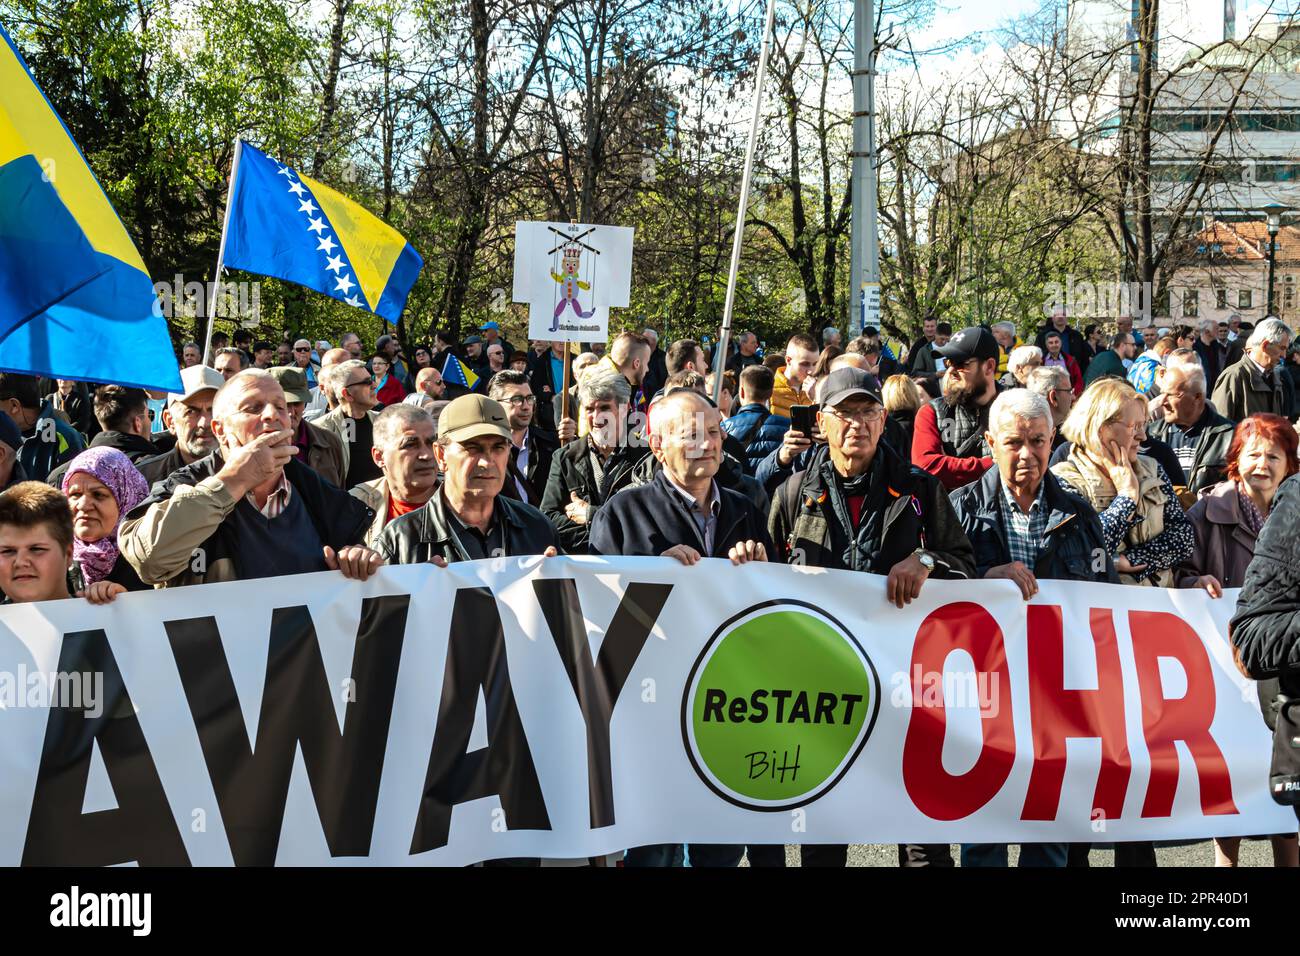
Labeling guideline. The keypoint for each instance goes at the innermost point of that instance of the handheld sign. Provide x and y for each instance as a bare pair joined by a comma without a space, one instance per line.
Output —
571,275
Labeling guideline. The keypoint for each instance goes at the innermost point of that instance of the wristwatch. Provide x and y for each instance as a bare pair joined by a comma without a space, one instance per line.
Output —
925,557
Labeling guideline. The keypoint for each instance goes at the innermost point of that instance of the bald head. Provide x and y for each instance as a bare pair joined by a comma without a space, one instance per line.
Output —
250,404
334,356
686,437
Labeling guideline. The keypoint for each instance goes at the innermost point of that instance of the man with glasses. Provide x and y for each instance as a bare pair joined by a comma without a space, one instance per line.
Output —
1053,383
1256,383
353,388
948,432
863,507
530,447
302,359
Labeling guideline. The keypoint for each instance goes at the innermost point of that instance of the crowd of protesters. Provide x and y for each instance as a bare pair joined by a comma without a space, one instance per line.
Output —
1161,458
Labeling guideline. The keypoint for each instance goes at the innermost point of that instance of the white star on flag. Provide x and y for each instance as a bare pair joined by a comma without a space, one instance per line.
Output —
326,244
343,284
335,264
284,171
316,225
297,188
307,206
353,301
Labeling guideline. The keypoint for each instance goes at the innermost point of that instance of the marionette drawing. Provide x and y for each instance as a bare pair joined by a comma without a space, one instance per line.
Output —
568,258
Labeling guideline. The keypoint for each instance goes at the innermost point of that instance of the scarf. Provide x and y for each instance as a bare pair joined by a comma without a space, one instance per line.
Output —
1251,519
129,488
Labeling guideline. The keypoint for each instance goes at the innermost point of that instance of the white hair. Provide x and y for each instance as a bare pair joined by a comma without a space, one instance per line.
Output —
334,377
395,419
1008,327
1018,403
1042,381
1193,376
235,386
1271,331
1024,355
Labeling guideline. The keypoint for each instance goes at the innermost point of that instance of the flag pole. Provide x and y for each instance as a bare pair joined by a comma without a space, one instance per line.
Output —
221,252
724,338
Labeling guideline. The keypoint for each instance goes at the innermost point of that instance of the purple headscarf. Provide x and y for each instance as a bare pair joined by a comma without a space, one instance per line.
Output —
129,488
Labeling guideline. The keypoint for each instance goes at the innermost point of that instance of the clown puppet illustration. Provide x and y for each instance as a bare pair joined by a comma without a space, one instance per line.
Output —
569,276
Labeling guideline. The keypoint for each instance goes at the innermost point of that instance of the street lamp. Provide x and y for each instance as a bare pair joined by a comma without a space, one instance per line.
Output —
1273,213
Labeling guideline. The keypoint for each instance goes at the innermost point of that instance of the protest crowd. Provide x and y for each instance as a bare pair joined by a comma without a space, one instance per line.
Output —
1148,458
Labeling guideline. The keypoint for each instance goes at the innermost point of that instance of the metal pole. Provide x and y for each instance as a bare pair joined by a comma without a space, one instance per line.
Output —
1272,252
724,338
864,260
221,253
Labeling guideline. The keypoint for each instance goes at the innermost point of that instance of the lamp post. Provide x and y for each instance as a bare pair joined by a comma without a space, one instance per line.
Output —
1273,213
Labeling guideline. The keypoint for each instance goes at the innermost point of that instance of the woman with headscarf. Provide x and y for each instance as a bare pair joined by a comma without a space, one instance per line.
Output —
102,486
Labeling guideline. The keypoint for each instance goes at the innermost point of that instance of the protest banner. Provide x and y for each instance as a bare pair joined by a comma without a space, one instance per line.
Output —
569,707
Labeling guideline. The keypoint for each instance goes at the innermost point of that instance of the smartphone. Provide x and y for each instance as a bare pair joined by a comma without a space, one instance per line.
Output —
803,418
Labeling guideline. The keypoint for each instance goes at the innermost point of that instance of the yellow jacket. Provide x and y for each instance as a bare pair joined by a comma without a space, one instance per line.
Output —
784,395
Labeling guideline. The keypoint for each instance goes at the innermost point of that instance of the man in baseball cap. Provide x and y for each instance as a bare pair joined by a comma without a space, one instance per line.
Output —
318,448
948,432
863,507
492,334
468,519
188,416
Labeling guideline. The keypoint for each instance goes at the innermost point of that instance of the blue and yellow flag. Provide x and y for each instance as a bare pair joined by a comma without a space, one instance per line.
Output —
76,300
456,372
290,227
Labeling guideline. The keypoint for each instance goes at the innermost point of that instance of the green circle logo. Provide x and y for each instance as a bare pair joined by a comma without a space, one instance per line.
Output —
778,706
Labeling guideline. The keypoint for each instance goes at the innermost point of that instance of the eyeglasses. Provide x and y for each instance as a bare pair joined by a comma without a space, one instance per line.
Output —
517,400
303,348
367,381
863,416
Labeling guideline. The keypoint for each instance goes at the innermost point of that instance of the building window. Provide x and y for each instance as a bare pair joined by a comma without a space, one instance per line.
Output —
1244,299
1220,298
1191,303
1161,305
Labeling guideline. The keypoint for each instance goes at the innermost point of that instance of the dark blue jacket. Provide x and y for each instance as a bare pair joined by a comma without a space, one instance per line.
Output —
1076,548
761,432
650,519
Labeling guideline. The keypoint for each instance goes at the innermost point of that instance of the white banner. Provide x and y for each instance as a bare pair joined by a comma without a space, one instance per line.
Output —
569,707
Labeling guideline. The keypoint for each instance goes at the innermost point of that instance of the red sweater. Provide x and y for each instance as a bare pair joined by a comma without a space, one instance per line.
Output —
392,393
929,456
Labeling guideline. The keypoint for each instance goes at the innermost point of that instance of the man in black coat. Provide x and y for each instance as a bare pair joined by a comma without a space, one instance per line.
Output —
656,366
123,416
1198,435
531,448
684,514
1072,342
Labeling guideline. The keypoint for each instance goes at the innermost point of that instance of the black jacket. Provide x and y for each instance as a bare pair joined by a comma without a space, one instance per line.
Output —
542,446
810,522
730,475
416,537
1210,460
1076,548
133,446
157,467
1265,629
571,472
650,519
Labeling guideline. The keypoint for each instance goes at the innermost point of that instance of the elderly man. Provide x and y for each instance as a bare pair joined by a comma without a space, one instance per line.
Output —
491,331
1257,382
1114,361
496,359
188,416
284,354
123,416
229,362
1023,527
948,432
248,510
1198,435
468,518
190,355
746,353
684,514
800,360
302,360
831,337
531,449
1053,383
585,473
1005,333
405,438
318,448
1022,362
351,343
352,387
